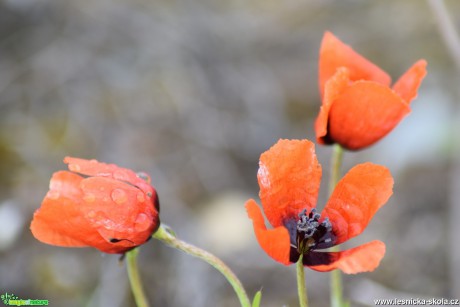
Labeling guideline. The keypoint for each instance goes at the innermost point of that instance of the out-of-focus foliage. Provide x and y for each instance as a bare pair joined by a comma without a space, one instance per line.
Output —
192,92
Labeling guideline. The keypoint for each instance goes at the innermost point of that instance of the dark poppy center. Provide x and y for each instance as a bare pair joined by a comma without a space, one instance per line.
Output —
311,233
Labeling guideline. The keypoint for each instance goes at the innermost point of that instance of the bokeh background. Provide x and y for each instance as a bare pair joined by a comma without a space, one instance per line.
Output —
193,92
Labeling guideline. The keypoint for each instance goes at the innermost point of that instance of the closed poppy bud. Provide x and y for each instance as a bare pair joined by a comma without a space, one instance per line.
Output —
97,205
358,105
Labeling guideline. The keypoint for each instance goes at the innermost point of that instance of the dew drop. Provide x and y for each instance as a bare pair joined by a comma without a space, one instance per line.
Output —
89,197
101,216
53,194
119,196
74,167
144,176
263,175
140,197
55,184
120,175
91,214
93,161
142,222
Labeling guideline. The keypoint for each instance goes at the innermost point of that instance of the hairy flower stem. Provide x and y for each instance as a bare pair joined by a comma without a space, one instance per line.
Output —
301,287
134,278
168,238
336,278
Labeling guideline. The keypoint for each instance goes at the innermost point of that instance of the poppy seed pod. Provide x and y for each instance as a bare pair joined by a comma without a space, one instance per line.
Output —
358,106
97,205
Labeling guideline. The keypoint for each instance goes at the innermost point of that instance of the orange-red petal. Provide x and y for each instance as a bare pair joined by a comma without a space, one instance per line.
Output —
289,177
59,222
356,198
409,82
118,210
364,113
58,217
96,168
65,184
333,89
364,258
334,54
275,242
44,228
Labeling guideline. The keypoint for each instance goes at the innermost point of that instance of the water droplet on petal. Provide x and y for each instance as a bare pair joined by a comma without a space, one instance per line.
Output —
120,175
144,176
142,222
55,185
93,161
91,214
140,197
89,197
264,176
74,167
53,194
99,218
119,196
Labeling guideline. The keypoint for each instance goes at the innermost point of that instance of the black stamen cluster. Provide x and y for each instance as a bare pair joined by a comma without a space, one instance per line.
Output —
312,234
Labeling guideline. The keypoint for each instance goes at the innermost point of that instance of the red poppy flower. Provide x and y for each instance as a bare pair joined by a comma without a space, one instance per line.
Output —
289,177
358,106
98,205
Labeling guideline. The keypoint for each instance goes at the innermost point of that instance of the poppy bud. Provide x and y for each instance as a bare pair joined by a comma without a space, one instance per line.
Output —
98,205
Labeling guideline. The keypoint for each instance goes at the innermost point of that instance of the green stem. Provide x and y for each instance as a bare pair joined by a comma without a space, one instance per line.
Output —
134,279
169,239
336,277
301,287
336,287
336,163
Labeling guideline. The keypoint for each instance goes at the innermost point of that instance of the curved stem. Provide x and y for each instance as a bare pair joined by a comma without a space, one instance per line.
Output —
301,287
336,277
134,279
169,239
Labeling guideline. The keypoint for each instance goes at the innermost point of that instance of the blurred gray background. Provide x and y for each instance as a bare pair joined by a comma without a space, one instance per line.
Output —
192,92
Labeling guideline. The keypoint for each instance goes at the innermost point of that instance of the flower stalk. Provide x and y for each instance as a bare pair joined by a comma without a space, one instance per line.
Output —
301,287
134,279
168,238
336,276
336,163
